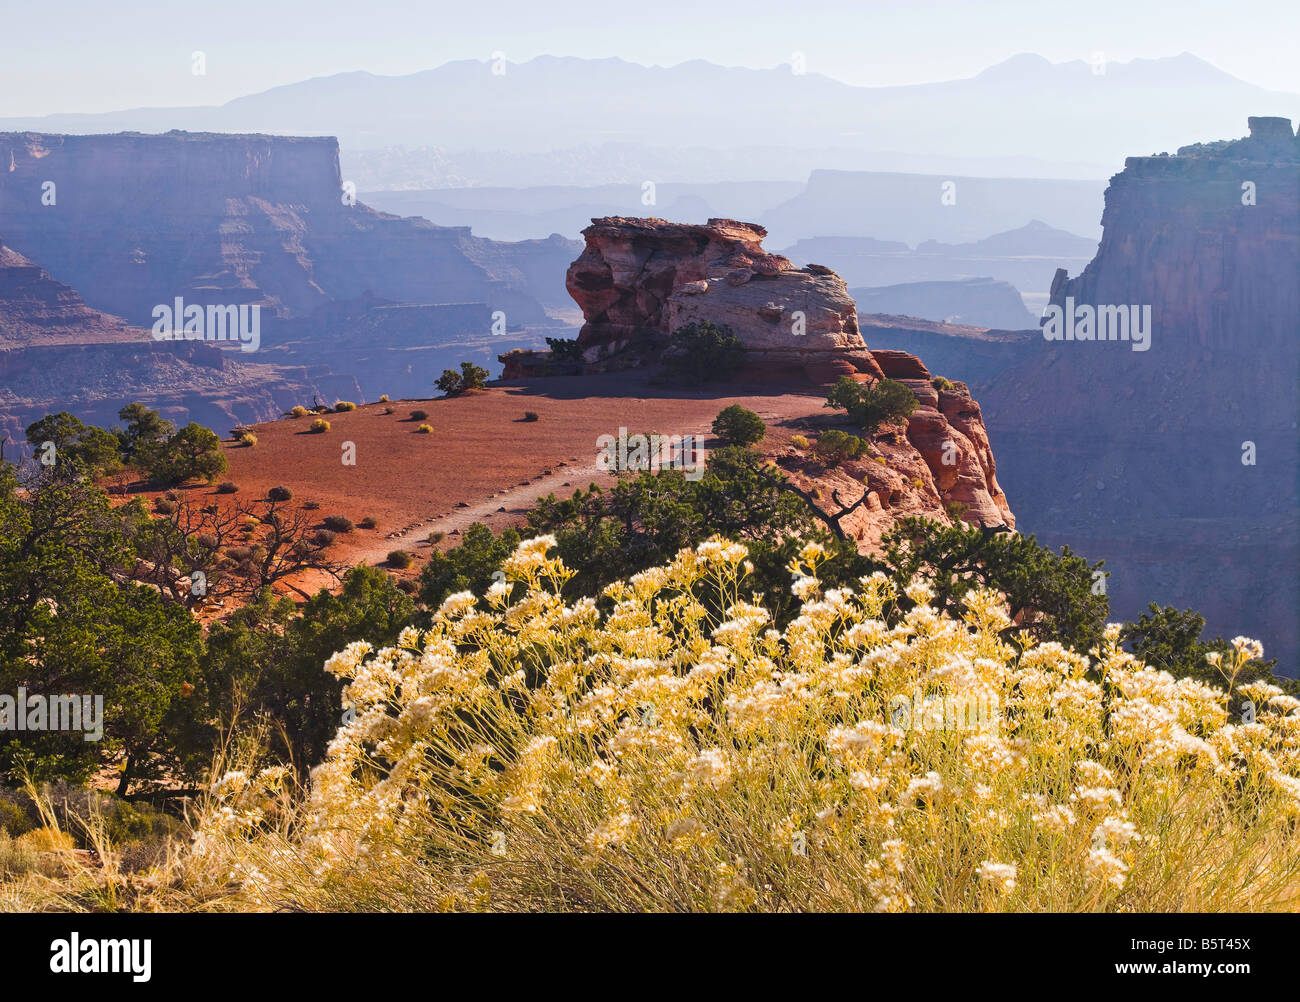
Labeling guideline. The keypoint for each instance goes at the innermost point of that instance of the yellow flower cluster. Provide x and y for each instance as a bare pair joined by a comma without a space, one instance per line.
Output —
669,748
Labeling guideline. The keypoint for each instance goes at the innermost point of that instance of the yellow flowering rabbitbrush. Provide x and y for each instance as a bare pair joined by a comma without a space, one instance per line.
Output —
670,748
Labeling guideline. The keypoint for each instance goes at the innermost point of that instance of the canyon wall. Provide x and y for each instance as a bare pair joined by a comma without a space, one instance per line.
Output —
132,221
1177,464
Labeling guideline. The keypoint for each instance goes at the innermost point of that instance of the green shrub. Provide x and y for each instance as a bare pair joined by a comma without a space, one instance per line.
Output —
369,522
939,383
871,406
337,523
800,442
436,537
835,446
701,353
400,559
736,425
470,377
191,453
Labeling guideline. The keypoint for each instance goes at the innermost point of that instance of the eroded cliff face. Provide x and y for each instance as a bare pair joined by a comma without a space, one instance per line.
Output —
638,280
133,221
1178,464
57,353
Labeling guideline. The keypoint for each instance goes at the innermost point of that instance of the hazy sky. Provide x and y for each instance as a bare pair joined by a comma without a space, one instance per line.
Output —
92,55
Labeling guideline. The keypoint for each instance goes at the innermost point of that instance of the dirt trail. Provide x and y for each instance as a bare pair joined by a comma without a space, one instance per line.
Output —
515,501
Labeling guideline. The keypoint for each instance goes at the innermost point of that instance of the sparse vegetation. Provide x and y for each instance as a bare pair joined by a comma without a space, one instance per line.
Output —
470,377
800,442
702,353
279,494
227,487
871,406
343,406
737,425
419,415
834,447
369,522
424,429
298,411
247,439
320,426
337,523
530,416
400,559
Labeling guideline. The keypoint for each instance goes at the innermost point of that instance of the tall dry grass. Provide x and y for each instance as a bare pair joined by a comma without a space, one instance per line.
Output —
551,756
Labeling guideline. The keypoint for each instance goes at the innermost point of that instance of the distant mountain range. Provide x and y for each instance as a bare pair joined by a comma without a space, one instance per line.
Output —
1027,257
550,110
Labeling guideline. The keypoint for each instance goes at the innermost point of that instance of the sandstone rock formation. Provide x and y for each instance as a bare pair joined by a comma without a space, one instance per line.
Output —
638,280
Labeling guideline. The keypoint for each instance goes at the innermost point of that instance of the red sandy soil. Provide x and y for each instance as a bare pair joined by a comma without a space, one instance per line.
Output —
481,457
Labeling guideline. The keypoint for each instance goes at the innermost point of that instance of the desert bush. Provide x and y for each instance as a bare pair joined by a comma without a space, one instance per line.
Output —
436,537
419,415
871,406
17,813
470,377
834,447
279,494
800,442
383,399
400,558
320,426
530,416
702,353
337,523
227,487
369,522
424,429
311,506
247,439
386,411
343,406
865,758
956,510
737,425
165,507
323,537
298,411
940,383
408,586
